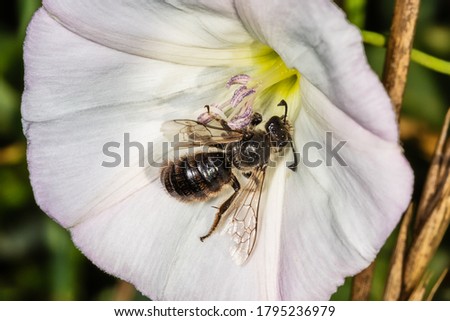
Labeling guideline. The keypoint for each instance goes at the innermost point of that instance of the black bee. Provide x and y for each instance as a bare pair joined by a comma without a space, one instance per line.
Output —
200,176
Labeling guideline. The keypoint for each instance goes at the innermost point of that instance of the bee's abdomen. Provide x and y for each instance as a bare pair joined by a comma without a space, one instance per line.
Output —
196,177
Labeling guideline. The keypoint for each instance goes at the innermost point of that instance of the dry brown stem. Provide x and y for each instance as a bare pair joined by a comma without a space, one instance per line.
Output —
437,171
124,291
393,288
419,292
435,215
362,283
436,285
399,50
394,79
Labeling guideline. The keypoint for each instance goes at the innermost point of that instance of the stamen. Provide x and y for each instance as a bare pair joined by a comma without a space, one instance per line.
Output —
240,94
243,119
240,79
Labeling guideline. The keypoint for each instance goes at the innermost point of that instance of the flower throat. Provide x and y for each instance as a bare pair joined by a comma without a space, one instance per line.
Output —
275,80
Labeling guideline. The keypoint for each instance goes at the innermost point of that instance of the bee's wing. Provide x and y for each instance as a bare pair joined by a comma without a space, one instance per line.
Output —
243,213
190,133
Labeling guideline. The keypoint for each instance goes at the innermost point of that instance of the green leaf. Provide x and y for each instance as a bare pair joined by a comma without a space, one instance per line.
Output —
356,12
26,11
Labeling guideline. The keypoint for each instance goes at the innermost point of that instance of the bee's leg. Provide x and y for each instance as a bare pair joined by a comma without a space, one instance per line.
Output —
225,205
219,146
219,119
293,166
222,122
225,126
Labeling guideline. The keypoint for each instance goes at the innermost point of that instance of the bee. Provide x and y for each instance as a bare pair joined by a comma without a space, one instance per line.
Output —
202,175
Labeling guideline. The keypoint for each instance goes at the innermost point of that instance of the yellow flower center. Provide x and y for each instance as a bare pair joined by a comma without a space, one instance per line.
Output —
259,91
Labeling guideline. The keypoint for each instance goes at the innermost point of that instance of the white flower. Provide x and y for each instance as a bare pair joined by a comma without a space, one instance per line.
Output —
98,69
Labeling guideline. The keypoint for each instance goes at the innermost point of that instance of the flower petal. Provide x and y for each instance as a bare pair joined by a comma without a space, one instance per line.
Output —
315,38
337,217
60,82
121,217
166,260
186,32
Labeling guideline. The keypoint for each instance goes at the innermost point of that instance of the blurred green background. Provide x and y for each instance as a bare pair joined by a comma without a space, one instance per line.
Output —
37,258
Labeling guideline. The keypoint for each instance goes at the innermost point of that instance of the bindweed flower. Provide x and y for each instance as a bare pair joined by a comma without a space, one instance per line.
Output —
105,75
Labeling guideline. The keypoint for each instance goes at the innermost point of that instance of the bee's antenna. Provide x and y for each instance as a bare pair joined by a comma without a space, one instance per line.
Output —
207,109
284,103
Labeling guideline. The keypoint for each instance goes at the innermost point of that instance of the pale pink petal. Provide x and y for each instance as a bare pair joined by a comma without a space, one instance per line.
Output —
337,217
67,74
185,32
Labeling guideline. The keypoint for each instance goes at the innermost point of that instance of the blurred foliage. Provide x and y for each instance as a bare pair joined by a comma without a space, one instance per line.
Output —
37,258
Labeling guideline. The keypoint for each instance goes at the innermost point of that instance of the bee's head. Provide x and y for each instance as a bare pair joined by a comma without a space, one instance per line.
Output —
278,131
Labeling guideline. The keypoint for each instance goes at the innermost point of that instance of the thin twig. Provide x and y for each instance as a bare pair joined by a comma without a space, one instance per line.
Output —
393,288
437,285
362,283
433,215
124,291
399,50
418,294
437,170
424,246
